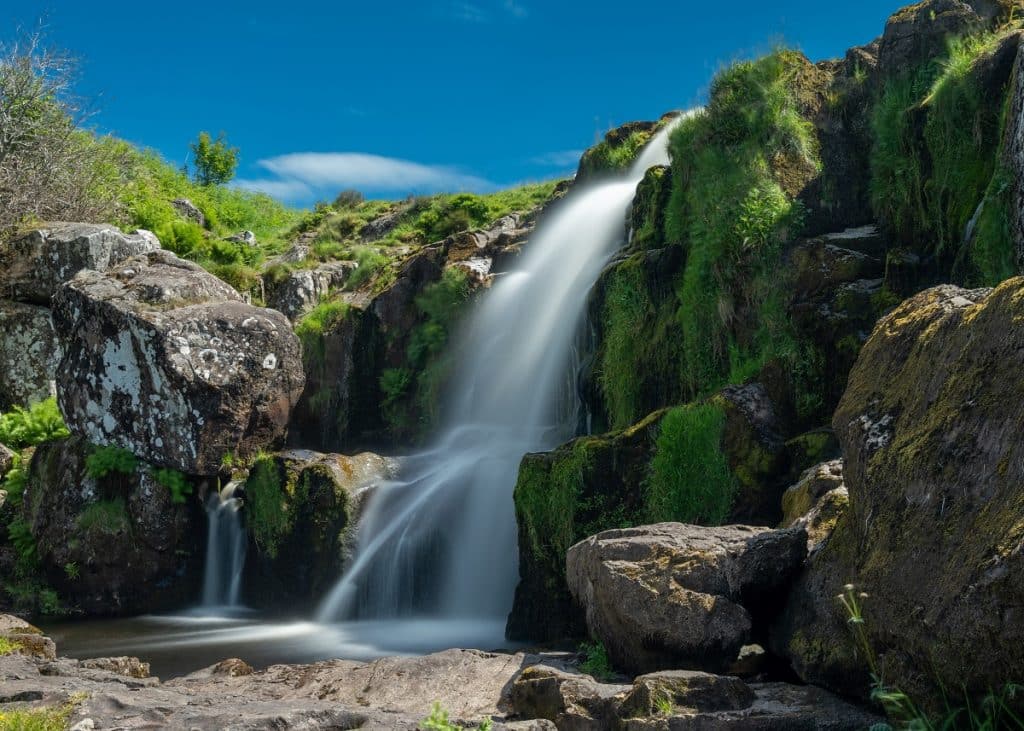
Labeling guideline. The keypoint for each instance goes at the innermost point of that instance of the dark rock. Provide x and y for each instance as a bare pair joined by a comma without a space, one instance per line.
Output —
6,461
381,226
920,32
162,358
34,265
932,533
29,354
1013,146
189,211
123,534
816,502
672,595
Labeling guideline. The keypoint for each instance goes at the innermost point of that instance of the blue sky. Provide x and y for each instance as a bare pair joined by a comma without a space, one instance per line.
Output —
402,97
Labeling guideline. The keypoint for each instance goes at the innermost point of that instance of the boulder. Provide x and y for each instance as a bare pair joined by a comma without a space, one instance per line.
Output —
32,266
7,458
933,464
163,359
301,511
303,289
1013,146
672,595
129,667
381,226
816,501
686,690
919,32
189,211
570,700
111,545
243,237
29,354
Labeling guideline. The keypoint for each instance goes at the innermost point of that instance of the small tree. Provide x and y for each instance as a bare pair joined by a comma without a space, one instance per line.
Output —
214,160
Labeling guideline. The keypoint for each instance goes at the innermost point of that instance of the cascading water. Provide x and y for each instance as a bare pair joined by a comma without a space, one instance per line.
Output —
225,549
441,543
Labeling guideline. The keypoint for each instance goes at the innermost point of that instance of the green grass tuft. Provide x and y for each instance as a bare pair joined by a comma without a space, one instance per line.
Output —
105,516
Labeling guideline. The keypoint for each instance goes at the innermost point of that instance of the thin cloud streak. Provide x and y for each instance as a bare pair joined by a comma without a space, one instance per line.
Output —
560,159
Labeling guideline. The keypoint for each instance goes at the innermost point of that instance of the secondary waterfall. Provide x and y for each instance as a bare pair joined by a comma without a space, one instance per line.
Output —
225,549
441,542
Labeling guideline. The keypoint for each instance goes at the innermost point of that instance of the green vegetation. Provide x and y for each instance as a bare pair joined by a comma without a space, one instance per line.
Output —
312,327
266,510
177,483
103,461
616,151
39,719
596,662
41,422
415,388
214,162
937,132
8,646
438,721
730,211
104,516
995,711
690,480
71,570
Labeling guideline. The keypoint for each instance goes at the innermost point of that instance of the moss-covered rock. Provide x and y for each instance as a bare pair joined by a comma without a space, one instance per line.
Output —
616,151
933,528
116,543
301,512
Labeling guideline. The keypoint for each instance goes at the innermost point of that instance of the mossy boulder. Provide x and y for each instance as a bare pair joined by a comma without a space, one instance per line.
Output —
933,529
111,544
301,511
616,151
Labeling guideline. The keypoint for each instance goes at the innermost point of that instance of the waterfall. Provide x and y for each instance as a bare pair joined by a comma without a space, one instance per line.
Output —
440,543
225,548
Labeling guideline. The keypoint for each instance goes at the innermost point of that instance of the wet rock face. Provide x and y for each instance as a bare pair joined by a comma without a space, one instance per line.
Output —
29,354
34,265
120,534
672,595
933,464
163,359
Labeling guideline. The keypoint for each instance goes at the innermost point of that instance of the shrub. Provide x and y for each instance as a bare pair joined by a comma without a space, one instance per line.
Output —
104,461
596,662
177,483
214,161
690,480
369,261
41,422
348,199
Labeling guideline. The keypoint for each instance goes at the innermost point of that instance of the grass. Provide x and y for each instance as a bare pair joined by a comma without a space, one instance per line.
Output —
41,719
105,516
312,327
624,355
690,480
610,155
438,721
730,212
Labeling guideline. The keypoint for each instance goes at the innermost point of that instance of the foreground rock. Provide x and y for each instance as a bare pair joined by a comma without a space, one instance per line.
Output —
672,595
513,691
29,354
34,265
678,700
933,532
110,545
163,359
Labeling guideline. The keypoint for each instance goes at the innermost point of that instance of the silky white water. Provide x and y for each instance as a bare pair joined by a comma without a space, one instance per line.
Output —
225,550
441,542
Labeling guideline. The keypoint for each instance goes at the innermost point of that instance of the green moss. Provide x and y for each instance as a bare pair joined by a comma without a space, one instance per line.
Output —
690,479
615,152
105,516
266,504
8,646
311,328
729,209
176,483
546,497
991,248
38,719
623,355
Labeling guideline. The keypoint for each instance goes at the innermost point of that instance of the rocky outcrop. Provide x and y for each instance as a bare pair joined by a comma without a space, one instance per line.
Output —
303,289
816,502
29,354
1013,147
932,533
189,211
301,510
163,359
920,31
7,458
673,595
34,265
114,544
677,700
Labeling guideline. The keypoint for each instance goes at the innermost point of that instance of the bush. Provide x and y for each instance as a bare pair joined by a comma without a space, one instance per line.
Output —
596,662
104,461
369,261
41,422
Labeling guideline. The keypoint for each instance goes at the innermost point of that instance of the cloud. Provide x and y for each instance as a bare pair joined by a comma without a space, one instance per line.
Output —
516,9
470,12
302,174
559,159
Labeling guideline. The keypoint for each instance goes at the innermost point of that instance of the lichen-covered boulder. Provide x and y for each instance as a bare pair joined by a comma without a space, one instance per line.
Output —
920,31
7,458
301,290
301,509
672,595
32,266
816,501
29,354
163,359
189,211
114,544
934,464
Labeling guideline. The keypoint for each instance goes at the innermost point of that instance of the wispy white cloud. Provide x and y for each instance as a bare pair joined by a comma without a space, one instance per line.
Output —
486,12
302,174
559,159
